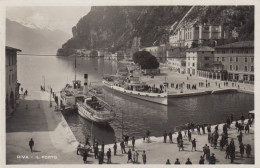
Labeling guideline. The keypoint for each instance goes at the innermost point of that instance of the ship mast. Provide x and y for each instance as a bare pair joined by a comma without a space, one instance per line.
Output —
75,67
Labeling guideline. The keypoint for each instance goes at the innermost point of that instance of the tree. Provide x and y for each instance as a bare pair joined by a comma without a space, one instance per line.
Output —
145,59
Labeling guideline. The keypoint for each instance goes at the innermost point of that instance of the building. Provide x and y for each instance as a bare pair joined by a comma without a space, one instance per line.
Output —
176,59
199,60
194,33
158,51
11,85
237,59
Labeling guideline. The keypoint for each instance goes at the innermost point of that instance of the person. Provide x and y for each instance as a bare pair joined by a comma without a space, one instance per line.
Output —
87,141
189,135
168,162
122,147
164,137
248,150
203,128
144,157
231,118
201,160
133,143
115,148
126,139
239,137
247,128
180,144
188,161
205,148
193,144
136,156
227,151
85,155
31,144
103,146
26,92
96,151
242,149
232,152
212,159
108,156
208,153
100,161
242,119
170,136
129,156
177,161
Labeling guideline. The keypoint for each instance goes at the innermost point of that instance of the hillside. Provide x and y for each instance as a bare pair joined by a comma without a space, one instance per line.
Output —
115,28
34,40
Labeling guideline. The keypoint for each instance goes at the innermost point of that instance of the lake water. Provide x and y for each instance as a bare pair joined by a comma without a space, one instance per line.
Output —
137,115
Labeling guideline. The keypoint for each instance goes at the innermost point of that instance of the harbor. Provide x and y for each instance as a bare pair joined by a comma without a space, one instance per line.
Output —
130,85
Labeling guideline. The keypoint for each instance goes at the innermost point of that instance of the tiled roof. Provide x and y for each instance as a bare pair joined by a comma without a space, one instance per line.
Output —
12,49
202,48
240,44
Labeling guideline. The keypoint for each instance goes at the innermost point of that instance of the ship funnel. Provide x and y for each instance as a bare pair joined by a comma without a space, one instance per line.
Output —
85,83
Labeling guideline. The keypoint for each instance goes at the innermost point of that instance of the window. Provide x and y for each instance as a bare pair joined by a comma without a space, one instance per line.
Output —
245,77
245,68
217,58
236,67
193,64
252,68
236,59
206,58
202,52
193,58
212,52
230,59
245,59
223,58
230,67
9,78
252,60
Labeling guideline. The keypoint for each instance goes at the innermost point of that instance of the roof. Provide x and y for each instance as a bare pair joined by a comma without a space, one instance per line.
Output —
202,48
12,49
240,44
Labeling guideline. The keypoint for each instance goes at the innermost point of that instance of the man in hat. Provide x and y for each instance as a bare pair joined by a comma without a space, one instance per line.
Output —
212,159
177,161
193,142
108,156
188,161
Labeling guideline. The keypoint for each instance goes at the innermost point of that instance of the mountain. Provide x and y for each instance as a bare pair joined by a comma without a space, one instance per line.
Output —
118,27
32,39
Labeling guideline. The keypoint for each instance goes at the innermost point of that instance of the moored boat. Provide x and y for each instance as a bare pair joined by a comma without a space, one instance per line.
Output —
132,86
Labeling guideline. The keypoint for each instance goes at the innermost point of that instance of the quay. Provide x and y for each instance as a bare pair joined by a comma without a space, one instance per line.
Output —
54,139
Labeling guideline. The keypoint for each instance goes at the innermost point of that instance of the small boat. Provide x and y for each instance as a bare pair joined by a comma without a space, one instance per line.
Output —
133,87
70,94
95,109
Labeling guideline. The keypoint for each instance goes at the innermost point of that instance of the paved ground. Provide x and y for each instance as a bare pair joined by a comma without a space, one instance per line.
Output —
158,152
177,78
51,136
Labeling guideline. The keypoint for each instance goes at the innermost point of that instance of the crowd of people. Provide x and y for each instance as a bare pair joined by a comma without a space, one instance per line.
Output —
214,140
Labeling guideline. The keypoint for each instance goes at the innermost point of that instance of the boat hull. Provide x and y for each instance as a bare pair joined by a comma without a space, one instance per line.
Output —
83,112
151,97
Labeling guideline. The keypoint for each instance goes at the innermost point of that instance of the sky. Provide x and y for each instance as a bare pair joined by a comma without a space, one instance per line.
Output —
61,18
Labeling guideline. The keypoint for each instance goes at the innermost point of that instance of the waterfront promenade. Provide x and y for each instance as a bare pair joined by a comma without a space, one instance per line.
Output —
55,143
53,139
173,77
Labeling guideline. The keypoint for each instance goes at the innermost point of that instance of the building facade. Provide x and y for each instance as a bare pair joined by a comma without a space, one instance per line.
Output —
176,59
158,51
238,60
199,60
198,34
12,87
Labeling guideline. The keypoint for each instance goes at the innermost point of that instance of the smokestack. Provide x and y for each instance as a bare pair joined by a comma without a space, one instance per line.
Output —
85,83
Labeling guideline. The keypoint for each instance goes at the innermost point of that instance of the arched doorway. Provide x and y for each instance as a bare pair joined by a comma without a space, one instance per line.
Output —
12,99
